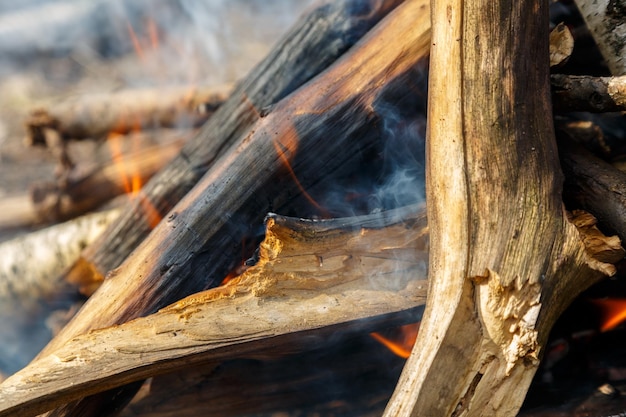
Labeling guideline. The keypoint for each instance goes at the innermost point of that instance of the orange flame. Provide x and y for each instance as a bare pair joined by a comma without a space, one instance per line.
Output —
402,344
135,40
153,38
613,312
286,147
131,179
114,141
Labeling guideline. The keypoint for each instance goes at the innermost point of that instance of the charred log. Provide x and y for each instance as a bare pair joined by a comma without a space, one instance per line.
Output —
311,46
195,246
80,193
592,94
312,278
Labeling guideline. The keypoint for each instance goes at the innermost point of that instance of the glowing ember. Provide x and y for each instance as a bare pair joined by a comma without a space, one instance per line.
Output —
402,343
613,312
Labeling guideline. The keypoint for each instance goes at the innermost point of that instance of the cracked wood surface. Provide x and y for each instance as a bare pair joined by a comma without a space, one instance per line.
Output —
505,260
312,277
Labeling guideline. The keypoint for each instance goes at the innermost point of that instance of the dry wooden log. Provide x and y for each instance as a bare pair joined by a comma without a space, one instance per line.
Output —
185,252
585,93
97,115
311,278
314,42
194,247
504,259
17,211
594,185
605,19
86,189
79,194
30,264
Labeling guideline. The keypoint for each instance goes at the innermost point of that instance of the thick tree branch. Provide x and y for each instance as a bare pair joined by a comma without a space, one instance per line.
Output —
504,260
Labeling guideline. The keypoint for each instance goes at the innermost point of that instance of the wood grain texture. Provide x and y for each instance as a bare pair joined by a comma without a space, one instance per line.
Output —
314,42
504,259
312,277
196,245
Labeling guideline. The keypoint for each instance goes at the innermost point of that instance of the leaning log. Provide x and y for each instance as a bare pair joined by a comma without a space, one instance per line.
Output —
504,259
312,278
313,44
194,247
186,252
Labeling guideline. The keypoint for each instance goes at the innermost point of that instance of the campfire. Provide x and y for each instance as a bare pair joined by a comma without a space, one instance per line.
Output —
262,245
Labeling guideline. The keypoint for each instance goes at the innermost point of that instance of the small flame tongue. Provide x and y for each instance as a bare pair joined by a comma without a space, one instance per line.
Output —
402,342
132,179
613,312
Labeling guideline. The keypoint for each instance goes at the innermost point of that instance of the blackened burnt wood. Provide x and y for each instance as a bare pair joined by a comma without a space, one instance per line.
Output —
312,279
348,376
585,93
594,185
95,116
319,129
313,44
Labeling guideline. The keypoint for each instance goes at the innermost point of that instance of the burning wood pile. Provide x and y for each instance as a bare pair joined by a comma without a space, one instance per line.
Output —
190,308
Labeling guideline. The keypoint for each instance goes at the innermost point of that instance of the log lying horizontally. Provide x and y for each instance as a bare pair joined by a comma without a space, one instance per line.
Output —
97,115
80,194
29,264
346,374
594,185
585,93
86,189
312,277
195,245
313,44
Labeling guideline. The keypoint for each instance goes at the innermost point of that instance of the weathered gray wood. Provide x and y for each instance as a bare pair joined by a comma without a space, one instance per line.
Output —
315,41
312,277
504,260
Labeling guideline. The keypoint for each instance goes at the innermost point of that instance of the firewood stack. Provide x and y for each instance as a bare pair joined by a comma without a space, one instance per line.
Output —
190,308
